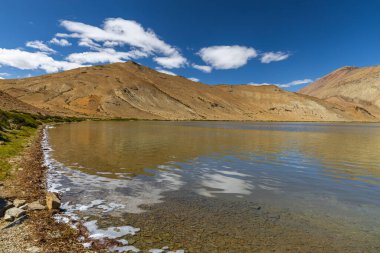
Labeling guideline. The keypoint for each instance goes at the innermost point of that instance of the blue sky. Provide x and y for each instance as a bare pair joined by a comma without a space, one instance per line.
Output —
236,42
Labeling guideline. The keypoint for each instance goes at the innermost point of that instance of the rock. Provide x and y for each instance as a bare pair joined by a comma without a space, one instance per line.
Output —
4,206
19,202
33,249
52,201
9,218
15,222
35,206
13,213
24,207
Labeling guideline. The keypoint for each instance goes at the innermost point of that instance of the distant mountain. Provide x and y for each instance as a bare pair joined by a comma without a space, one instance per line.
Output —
130,90
351,88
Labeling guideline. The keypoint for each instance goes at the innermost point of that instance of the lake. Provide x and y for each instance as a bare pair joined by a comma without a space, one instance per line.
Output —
160,186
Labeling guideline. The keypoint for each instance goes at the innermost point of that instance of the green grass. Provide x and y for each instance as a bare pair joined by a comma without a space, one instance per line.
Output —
16,141
15,131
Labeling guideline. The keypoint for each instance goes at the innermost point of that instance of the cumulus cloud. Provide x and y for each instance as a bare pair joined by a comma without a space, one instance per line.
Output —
286,85
108,55
85,42
227,57
60,42
173,61
193,79
37,44
273,56
165,71
31,61
203,68
120,32
112,44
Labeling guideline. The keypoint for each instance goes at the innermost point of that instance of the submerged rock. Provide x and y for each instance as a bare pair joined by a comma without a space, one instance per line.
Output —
13,213
52,201
35,206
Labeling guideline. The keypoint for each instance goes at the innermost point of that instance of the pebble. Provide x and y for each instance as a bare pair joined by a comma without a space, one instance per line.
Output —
24,207
33,249
9,218
53,201
36,206
19,202
13,213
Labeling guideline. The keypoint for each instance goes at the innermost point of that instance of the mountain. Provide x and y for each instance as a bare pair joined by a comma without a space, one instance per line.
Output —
130,90
9,103
350,87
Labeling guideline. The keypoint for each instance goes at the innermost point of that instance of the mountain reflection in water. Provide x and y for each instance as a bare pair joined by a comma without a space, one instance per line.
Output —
317,170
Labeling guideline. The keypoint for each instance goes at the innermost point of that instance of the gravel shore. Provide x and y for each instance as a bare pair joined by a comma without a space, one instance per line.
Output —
38,231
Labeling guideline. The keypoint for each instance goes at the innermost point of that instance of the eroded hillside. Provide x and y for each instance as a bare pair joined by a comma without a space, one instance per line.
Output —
130,90
352,88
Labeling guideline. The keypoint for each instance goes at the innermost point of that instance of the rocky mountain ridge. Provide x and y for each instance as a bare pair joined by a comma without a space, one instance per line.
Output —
130,90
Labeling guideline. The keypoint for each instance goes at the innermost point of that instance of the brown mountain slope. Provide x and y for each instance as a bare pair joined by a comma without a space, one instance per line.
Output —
9,103
350,87
129,90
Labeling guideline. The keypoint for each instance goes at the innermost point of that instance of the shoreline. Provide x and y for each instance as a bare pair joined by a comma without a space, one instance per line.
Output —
69,219
39,232
289,229
226,120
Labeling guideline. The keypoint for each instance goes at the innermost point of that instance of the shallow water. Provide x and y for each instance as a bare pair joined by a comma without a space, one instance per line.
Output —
221,186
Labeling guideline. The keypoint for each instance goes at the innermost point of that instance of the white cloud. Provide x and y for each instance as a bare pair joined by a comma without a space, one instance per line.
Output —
273,56
261,84
193,79
85,42
299,82
286,85
227,57
112,44
3,74
60,42
119,32
173,61
108,55
31,61
37,44
203,68
165,71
